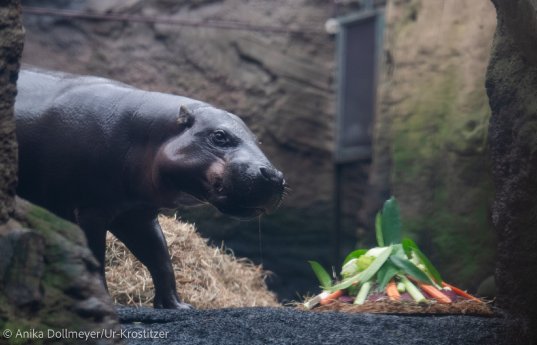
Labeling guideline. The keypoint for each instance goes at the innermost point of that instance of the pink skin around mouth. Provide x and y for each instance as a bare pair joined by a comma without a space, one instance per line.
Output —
215,174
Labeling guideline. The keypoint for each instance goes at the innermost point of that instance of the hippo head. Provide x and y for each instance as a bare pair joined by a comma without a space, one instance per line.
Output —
216,159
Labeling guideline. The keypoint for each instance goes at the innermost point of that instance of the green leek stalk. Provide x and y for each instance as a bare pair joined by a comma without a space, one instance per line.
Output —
362,294
401,287
412,290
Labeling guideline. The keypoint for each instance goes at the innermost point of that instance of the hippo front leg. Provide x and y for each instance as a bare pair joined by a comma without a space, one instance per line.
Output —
144,238
94,222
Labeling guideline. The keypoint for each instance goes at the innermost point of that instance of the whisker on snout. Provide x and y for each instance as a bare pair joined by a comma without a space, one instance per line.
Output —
286,187
285,193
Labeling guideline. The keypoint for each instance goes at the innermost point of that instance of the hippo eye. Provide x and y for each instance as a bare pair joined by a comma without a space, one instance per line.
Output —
220,138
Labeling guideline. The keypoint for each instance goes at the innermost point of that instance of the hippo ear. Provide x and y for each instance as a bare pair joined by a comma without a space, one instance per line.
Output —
185,118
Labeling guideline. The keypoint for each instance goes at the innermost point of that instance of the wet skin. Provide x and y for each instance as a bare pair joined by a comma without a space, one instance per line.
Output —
109,157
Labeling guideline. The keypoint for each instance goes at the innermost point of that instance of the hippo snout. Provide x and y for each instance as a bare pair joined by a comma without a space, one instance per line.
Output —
247,190
270,184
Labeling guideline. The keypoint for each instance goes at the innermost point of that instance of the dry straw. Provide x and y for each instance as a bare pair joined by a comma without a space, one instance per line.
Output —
465,307
207,277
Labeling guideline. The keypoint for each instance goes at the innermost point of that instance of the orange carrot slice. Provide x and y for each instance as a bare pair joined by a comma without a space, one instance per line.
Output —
435,293
461,292
333,296
392,292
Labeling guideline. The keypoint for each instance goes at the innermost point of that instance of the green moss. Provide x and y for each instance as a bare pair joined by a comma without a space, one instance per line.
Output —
60,284
440,175
48,223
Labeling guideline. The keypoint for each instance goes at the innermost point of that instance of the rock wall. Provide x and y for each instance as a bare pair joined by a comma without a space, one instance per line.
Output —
11,43
431,132
48,277
49,281
512,87
280,84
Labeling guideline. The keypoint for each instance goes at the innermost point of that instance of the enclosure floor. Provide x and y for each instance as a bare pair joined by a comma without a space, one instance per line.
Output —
250,326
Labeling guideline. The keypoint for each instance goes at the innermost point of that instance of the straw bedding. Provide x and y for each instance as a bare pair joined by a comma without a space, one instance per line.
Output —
465,307
207,277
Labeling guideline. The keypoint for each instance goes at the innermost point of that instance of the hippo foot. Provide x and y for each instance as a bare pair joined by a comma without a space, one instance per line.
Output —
172,302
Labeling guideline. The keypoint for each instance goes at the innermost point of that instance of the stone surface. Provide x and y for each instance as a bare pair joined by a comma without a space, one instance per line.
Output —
431,133
281,85
251,326
11,43
49,280
511,86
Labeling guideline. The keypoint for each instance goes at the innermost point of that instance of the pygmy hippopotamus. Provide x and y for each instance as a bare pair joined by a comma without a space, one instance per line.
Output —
109,156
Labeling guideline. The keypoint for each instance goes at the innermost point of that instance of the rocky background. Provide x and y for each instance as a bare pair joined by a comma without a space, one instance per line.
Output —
48,278
430,138
431,133
280,84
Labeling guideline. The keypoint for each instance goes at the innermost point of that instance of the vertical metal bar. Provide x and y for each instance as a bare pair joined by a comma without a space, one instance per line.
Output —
379,59
341,50
341,60
339,163
336,233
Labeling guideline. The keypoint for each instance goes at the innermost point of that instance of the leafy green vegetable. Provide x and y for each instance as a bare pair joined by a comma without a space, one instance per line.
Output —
410,269
376,265
392,258
378,229
399,251
401,287
353,290
354,255
367,274
412,289
321,274
350,269
411,247
364,261
385,274
391,222
362,294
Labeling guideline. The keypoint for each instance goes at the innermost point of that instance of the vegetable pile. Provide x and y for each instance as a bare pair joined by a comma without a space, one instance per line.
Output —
394,273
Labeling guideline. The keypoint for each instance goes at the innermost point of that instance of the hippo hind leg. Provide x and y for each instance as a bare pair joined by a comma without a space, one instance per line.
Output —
142,235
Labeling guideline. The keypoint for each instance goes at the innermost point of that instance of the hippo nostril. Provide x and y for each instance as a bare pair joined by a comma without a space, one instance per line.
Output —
272,175
265,172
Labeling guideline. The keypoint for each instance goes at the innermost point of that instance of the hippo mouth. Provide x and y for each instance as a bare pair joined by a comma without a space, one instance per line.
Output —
243,213
225,205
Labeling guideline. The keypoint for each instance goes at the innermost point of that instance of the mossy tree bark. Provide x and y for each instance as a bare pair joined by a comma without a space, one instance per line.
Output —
11,43
512,87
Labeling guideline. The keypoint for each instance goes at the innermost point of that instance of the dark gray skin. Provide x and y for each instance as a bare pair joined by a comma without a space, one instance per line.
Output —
109,157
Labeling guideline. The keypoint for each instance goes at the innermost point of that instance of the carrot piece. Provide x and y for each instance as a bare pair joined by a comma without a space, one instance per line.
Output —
392,292
461,292
333,296
435,293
